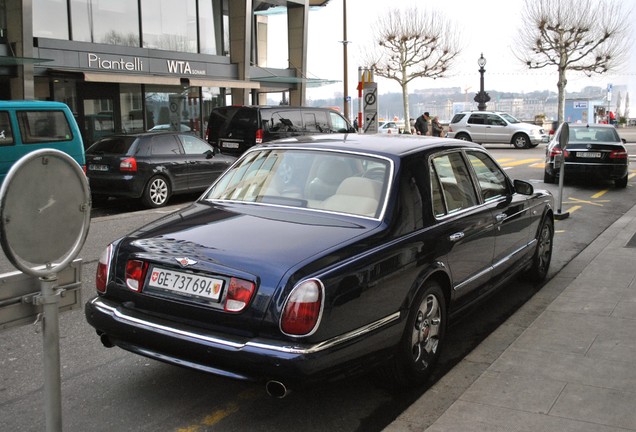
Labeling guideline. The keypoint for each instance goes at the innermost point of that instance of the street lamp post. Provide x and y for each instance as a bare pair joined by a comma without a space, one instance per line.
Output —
482,97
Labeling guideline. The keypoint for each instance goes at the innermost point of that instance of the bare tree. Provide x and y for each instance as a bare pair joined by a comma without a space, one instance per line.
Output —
410,44
574,35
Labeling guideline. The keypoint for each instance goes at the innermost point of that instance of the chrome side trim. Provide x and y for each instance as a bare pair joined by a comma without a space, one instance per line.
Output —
101,304
495,265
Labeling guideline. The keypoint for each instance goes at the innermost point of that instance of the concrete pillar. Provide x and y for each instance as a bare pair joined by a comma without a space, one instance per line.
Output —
241,13
297,17
20,39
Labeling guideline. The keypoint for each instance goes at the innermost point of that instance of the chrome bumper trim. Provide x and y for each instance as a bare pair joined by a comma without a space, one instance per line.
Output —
118,315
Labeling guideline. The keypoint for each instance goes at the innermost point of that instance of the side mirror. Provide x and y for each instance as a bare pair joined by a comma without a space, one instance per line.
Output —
523,187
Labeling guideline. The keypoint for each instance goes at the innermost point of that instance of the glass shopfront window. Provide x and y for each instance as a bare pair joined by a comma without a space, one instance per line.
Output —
50,19
169,25
114,22
132,108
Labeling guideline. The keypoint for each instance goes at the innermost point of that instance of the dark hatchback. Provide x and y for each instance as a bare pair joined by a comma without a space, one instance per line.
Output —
594,150
322,256
152,166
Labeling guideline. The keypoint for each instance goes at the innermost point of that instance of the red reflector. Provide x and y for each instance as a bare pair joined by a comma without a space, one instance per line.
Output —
135,274
239,295
128,165
103,268
303,309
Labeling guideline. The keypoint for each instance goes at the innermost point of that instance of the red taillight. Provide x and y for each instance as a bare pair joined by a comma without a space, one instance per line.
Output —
556,151
207,133
103,268
136,274
259,136
128,165
303,309
239,295
618,154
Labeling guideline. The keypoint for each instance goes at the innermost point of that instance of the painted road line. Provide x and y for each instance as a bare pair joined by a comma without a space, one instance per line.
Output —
520,162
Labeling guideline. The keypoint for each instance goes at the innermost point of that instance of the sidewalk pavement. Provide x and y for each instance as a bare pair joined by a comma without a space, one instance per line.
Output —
564,362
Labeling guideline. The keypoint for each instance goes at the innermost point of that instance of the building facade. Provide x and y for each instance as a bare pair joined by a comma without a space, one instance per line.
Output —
131,65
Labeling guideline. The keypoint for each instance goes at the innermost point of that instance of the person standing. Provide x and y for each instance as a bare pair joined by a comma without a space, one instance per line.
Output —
436,128
421,124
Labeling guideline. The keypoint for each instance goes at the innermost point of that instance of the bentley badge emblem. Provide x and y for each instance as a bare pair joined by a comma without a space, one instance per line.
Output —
185,261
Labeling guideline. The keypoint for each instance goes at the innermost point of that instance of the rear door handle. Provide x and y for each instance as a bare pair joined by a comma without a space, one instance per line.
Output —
500,217
457,236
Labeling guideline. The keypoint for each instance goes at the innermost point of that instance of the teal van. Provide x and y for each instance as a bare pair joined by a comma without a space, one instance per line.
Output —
26,126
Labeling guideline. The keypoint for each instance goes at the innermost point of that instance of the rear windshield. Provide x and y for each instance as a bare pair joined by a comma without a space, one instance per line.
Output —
235,119
112,145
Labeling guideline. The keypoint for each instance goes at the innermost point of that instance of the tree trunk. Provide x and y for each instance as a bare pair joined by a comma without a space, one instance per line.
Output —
561,86
405,99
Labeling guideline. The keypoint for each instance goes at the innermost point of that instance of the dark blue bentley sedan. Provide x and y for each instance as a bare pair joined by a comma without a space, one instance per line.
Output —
315,257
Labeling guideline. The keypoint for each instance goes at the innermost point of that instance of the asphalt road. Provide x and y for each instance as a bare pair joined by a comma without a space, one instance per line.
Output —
110,389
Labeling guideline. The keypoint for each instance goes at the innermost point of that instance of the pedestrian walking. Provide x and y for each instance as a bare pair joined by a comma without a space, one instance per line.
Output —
421,124
437,129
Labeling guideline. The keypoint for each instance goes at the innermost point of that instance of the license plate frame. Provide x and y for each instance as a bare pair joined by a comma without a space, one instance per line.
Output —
589,155
185,284
98,167
230,144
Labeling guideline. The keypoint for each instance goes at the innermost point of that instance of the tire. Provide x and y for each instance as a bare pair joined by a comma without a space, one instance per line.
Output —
621,183
520,141
422,341
157,192
543,254
463,137
548,178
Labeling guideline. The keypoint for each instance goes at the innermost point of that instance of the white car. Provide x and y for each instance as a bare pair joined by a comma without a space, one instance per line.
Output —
495,127
388,127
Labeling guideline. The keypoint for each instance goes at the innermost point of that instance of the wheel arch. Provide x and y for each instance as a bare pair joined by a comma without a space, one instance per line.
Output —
438,273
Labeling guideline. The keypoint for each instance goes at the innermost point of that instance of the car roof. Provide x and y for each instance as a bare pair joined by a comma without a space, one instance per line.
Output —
594,125
380,144
30,104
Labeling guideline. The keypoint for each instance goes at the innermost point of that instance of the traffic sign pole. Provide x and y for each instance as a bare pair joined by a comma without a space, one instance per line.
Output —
52,380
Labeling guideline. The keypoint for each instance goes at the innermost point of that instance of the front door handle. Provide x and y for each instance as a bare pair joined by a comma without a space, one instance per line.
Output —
500,217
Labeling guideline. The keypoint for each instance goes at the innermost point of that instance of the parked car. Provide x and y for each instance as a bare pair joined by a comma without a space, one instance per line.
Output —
26,126
388,127
320,256
234,129
168,126
593,150
495,127
152,166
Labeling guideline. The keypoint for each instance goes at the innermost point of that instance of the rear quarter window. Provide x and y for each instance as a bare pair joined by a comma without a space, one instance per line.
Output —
112,145
6,134
457,118
42,126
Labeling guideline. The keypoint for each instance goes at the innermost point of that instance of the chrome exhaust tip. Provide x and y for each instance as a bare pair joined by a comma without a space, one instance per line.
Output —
276,389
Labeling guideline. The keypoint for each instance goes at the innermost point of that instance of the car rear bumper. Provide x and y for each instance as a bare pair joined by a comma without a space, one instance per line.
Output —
239,357
124,186
606,171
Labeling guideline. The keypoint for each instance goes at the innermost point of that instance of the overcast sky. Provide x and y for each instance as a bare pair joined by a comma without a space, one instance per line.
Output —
488,26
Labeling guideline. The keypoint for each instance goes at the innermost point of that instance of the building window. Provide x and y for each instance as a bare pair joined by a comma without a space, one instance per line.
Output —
50,19
114,22
211,27
169,25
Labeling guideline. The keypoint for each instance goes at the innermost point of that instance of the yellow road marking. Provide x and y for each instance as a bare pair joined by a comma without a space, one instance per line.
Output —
520,162
576,200
599,194
573,209
220,413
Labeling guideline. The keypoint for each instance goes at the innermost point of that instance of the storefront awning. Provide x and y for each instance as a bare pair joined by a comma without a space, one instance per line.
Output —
167,80
309,82
16,61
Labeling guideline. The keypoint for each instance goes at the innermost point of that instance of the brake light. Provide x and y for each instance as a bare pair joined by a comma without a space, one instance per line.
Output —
618,154
239,295
556,151
136,274
128,165
259,136
303,309
103,270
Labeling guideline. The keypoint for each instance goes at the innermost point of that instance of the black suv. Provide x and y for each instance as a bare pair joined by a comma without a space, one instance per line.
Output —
152,166
234,129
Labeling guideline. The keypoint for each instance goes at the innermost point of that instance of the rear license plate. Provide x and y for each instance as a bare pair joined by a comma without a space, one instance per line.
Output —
227,144
588,154
97,167
187,284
